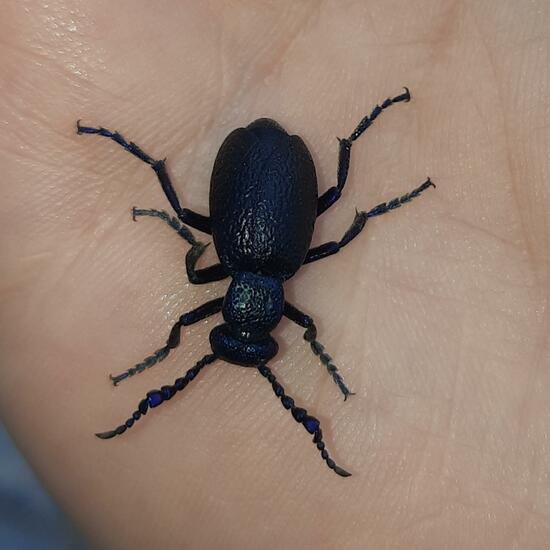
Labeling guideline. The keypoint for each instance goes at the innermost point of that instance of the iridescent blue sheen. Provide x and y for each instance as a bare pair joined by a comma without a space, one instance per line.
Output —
311,424
143,406
167,392
287,402
299,414
154,398
180,383
234,349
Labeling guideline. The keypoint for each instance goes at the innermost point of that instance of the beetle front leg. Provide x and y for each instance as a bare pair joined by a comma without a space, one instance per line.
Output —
358,224
198,221
329,197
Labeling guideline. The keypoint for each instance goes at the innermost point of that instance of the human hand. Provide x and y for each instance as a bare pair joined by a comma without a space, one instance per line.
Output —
435,314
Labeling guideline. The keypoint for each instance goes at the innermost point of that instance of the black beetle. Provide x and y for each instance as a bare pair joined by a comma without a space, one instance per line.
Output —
263,207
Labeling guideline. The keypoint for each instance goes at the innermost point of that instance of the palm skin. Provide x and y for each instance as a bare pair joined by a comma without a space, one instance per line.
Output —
435,314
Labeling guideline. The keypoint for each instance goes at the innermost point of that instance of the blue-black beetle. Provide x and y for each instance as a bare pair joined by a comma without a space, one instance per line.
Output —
263,207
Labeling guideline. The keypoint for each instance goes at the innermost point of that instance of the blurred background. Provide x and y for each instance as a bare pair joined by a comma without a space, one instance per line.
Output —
29,519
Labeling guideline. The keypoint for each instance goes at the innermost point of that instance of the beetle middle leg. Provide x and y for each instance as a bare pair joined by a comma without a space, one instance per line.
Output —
198,221
332,247
209,274
329,197
202,312
310,335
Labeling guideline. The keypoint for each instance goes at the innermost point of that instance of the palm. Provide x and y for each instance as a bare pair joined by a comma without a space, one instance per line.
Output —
435,314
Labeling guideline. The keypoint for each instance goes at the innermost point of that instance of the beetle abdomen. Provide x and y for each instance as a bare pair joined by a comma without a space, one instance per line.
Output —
263,200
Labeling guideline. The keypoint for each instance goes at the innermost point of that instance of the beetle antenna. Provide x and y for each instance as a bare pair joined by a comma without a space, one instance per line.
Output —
310,423
155,397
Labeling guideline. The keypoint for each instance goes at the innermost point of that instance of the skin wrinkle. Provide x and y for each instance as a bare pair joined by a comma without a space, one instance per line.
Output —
246,87
222,70
442,39
481,115
285,48
452,409
509,148
526,512
484,231
526,405
399,284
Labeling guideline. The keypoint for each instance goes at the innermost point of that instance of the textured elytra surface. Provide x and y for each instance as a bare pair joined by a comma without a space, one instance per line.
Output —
263,200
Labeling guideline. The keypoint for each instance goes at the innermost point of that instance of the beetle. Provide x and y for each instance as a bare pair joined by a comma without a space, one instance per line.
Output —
263,206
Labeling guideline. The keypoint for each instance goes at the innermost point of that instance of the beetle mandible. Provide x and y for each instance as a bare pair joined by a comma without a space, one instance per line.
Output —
263,207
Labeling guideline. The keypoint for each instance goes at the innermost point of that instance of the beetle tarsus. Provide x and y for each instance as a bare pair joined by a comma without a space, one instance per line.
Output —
117,378
106,435
406,97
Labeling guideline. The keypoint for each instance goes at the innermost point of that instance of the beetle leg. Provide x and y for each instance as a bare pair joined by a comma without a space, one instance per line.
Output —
155,397
305,321
332,247
310,423
202,312
196,276
172,221
208,274
329,197
198,221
